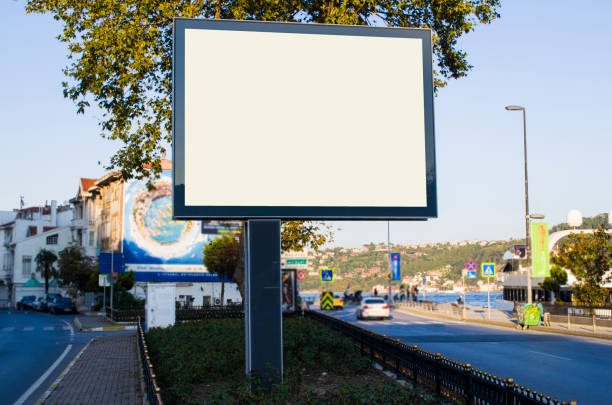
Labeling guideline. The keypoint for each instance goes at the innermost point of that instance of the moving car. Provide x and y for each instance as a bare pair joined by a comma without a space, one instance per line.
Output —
338,302
62,305
373,308
26,302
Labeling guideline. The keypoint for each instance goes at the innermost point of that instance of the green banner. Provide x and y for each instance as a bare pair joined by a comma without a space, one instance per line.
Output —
539,249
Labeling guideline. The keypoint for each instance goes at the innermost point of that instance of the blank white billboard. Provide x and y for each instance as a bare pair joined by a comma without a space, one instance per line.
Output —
277,120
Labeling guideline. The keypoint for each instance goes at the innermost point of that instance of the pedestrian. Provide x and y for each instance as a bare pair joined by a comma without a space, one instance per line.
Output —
376,292
459,300
416,293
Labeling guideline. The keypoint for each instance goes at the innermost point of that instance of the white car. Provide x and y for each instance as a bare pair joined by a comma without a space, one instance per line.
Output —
373,308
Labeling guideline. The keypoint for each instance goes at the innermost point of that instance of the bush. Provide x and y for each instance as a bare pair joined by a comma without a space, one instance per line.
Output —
203,362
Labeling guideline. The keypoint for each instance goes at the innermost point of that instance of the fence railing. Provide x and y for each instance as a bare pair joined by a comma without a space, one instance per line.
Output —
445,377
153,391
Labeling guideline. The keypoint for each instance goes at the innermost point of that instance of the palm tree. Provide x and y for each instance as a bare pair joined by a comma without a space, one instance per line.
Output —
44,265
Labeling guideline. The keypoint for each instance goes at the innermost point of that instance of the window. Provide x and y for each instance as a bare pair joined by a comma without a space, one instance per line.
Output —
92,237
52,240
26,266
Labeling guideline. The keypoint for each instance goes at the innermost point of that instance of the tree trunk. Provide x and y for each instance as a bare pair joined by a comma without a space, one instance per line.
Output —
46,280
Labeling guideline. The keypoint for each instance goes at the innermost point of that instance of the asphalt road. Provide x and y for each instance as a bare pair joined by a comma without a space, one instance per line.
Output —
564,367
34,349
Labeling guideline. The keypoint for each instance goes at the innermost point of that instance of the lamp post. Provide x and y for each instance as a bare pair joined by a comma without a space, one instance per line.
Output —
527,247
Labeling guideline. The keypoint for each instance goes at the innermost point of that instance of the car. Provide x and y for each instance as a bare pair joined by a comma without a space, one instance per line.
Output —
42,303
338,302
62,305
26,302
373,308
38,304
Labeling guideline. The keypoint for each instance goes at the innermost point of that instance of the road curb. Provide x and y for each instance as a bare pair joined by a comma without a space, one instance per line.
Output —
59,379
109,328
507,325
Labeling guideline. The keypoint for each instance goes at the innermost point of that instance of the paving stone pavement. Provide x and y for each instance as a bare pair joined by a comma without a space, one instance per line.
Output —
106,373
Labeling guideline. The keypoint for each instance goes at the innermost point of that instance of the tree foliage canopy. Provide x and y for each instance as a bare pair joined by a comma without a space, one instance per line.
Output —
120,52
221,256
589,258
75,268
45,260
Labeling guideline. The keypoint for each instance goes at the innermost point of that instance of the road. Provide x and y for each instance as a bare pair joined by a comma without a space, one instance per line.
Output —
34,349
564,367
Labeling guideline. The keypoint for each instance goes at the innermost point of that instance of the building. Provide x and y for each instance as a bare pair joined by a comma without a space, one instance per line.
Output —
133,221
27,231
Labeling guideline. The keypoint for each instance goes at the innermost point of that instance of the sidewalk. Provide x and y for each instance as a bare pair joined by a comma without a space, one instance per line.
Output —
98,323
107,371
479,315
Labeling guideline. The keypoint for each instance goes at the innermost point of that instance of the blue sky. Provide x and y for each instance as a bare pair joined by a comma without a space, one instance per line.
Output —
553,57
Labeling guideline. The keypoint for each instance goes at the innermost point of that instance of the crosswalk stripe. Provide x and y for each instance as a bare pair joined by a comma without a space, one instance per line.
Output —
8,329
28,328
48,328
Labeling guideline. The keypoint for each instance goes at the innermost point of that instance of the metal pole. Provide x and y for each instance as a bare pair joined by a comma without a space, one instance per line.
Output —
464,295
489,297
112,284
389,258
527,236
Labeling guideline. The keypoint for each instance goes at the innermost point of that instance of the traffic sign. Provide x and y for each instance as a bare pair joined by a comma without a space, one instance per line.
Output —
470,265
301,275
470,273
327,301
114,274
296,261
327,275
488,270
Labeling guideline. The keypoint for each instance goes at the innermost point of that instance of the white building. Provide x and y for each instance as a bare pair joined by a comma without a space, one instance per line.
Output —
21,238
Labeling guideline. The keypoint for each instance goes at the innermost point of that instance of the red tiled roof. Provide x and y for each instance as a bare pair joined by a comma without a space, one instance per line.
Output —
86,184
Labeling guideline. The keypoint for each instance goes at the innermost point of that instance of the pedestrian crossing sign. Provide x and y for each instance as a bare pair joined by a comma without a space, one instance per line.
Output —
488,270
327,275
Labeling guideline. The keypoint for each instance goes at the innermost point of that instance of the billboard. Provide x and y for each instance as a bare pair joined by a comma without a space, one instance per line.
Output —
365,128
156,247
539,249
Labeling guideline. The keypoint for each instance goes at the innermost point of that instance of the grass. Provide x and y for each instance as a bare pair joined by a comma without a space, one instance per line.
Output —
203,362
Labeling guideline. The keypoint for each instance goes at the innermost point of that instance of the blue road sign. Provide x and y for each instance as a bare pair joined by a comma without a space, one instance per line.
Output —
395,266
327,275
471,273
488,270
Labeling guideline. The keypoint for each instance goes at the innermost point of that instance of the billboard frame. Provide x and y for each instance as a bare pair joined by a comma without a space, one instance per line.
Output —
297,212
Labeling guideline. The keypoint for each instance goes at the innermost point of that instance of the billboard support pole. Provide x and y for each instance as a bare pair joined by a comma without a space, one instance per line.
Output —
263,301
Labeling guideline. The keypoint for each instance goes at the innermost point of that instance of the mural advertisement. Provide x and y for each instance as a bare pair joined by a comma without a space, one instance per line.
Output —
155,247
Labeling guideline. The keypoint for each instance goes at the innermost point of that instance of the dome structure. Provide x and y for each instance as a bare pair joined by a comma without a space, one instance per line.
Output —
574,218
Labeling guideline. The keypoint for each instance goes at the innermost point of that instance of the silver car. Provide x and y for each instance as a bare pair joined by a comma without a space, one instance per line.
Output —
373,308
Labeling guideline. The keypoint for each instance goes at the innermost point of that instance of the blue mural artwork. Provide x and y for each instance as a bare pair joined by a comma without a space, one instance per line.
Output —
156,247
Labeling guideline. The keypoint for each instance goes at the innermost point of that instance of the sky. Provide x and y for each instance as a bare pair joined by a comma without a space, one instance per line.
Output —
552,57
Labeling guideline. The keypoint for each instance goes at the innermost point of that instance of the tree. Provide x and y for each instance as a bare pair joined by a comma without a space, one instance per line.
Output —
221,256
44,265
74,268
121,53
553,283
588,257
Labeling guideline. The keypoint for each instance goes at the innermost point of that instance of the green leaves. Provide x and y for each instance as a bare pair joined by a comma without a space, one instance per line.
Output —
120,53
589,258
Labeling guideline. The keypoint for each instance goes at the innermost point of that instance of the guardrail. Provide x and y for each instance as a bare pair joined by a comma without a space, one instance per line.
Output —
153,391
443,376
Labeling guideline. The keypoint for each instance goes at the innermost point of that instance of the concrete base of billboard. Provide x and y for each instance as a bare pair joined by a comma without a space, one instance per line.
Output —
160,310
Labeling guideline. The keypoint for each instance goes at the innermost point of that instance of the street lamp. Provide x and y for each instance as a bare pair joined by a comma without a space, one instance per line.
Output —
527,247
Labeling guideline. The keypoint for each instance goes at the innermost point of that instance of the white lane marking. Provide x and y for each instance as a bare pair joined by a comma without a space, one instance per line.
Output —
71,330
547,354
8,329
42,378
48,328
28,329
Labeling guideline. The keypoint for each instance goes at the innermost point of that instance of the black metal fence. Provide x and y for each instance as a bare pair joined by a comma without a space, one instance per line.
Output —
153,391
445,377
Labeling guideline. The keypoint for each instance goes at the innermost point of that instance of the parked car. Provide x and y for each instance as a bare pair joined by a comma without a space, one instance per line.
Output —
62,305
42,303
26,302
38,304
373,308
